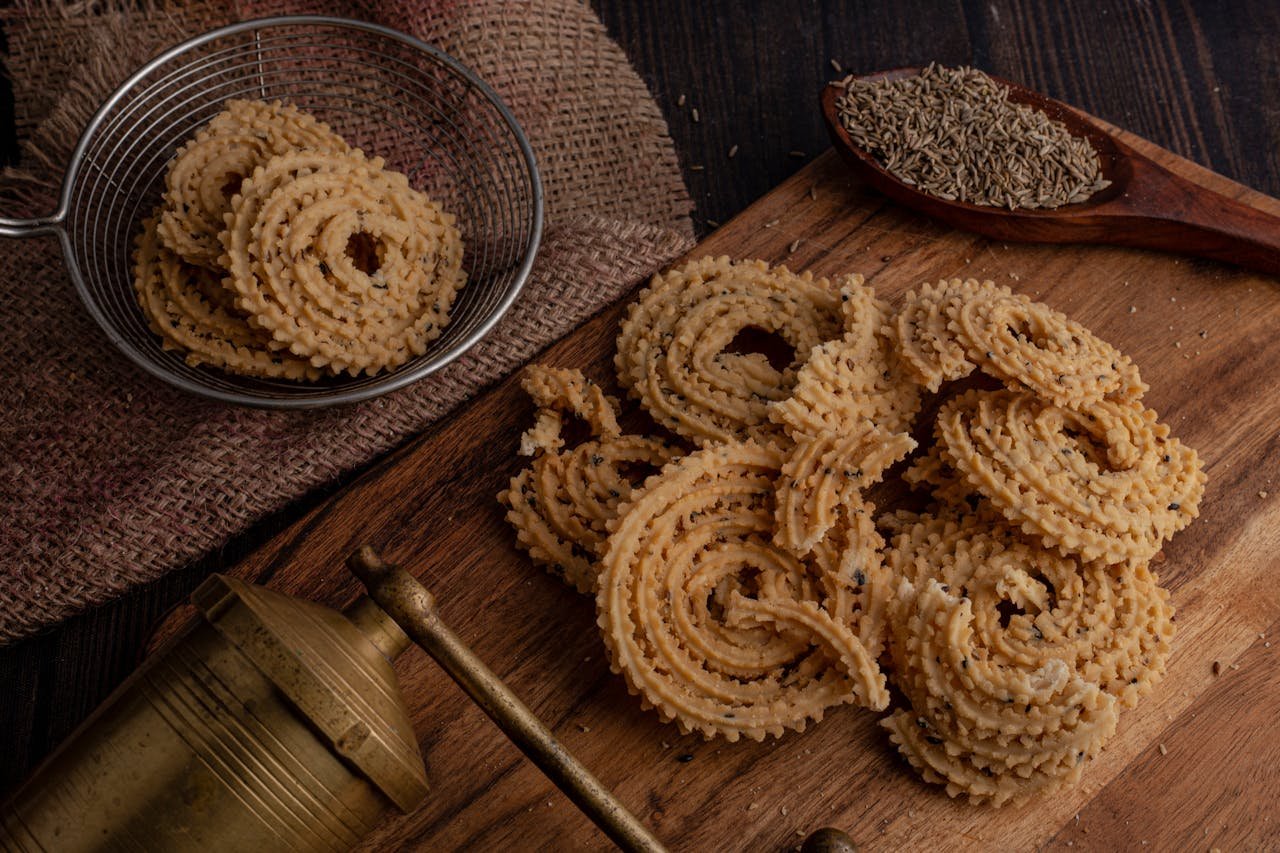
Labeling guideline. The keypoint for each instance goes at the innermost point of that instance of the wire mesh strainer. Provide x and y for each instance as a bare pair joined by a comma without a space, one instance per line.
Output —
386,93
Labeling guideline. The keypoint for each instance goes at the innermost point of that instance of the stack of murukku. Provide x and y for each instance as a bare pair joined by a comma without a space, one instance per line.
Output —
279,251
1025,615
743,587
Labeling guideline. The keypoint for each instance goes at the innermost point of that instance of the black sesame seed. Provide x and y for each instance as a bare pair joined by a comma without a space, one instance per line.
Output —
684,759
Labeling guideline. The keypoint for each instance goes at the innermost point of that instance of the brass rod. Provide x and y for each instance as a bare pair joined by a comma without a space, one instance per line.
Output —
414,608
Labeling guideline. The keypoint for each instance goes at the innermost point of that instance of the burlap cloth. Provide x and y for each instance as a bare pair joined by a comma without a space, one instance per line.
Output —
108,478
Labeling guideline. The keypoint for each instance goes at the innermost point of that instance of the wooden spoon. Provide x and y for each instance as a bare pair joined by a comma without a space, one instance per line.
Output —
1146,204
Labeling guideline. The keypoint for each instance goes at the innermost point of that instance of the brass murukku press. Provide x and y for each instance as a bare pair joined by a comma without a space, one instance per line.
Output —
274,723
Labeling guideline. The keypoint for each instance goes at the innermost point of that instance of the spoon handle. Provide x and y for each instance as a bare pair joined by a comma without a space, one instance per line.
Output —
1180,215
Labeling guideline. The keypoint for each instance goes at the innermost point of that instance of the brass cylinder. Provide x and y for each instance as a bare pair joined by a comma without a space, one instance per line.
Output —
272,724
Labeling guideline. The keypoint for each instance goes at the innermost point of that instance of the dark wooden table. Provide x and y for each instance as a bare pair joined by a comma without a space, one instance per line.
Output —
1200,77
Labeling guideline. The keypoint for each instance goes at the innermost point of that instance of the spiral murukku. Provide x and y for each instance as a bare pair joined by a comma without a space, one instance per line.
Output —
1105,483
921,335
341,261
1111,623
718,628
822,475
209,170
557,391
190,310
1031,345
673,352
853,383
993,730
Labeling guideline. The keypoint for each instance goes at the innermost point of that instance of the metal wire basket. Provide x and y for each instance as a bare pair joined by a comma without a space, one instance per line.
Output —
387,93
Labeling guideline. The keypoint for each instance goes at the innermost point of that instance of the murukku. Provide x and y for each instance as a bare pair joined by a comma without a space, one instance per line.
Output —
673,352
1105,483
853,383
1031,345
190,310
209,170
718,628
1111,623
920,332
822,475
341,261
561,505
993,730
557,391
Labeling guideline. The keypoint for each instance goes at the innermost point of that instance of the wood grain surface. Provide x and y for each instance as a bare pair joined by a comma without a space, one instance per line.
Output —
1195,331
1198,76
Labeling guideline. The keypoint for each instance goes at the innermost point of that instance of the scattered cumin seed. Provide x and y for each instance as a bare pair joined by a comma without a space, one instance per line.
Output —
795,244
680,101
796,153
733,152
713,223
1164,750
693,114
697,168
785,811
813,192
836,66
771,223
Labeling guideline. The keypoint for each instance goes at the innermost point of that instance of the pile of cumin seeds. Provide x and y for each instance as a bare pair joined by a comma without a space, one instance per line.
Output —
953,133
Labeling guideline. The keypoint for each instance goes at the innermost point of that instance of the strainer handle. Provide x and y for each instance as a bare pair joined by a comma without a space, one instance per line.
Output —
32,227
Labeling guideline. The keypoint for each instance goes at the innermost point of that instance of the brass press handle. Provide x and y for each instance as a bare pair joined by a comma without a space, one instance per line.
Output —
414,609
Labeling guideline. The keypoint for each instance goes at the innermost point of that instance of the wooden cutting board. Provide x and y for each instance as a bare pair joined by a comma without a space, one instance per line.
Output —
1196,766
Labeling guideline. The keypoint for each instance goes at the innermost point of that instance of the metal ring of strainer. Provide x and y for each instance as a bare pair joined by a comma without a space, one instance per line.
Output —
387,93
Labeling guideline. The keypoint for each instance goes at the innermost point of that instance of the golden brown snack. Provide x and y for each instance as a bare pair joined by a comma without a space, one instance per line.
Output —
1106,483
719,629
190,309
1111,623
1028,344
208,171
672,345
921,334
824,474
341,261
853,383
993,729
561,505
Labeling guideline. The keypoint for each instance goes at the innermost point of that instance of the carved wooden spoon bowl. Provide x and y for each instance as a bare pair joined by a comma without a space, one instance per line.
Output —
1146,205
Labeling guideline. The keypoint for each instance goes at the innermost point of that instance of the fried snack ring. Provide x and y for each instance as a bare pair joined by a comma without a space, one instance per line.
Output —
854,383
989,730
562,504
672,344
1107,483
189,309
1028,344
920,332
287,254
209,170
716,627
1112,624
557,391
824,474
